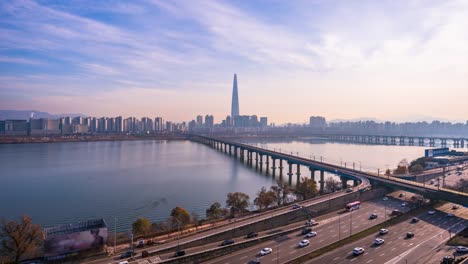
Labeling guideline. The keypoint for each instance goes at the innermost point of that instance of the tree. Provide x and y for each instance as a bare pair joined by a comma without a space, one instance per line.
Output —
388,172
141,226
181,214
331,184
265,198
282,190
215,211
20,240
416,168
402,168
307,188
237,202
195,220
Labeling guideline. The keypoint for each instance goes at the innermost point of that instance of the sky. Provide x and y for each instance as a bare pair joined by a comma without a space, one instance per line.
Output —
398,60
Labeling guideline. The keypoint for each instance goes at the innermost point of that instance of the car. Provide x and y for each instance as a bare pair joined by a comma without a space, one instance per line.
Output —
447,260
461,249
385,198
304,243
455,207
150,242
401,195
450,214
266,251
383,231
254,261
358,251
404,204
449,173
409,235
378,241
414,220
436,185
311,222
227,242
296,206
373,216
123,262
431,182
252,234
431,212
349,190
179,253
127,254
396,212
311,234
140,243
306,230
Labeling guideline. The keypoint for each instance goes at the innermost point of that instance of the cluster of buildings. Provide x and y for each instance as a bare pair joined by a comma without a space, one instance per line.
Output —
86,125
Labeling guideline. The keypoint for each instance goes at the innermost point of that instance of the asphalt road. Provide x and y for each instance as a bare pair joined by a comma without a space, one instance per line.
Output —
239,222
429,233
286,248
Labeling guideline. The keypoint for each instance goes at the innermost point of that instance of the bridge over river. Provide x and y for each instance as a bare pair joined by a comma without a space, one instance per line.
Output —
362,180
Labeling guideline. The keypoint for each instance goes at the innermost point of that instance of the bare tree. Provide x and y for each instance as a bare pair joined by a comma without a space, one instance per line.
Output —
20,240
331,184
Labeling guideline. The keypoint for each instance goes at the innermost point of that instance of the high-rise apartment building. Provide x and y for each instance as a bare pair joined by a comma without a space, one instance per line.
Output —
317,122
209,121
199,120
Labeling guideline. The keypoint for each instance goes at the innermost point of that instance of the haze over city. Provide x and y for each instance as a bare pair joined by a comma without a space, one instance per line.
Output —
390,60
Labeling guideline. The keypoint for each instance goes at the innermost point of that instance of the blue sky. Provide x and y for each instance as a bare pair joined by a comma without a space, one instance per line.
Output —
394,60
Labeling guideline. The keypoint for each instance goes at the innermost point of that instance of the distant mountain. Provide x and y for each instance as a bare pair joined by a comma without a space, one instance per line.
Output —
356,120
411,119
26,114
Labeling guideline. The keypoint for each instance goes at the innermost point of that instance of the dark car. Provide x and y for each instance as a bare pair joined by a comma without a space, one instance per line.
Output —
409,235
396,212
373,216
127,254
454,207
252,234
254,261
401,195
447,260
414,220
179,253
227,242
306,230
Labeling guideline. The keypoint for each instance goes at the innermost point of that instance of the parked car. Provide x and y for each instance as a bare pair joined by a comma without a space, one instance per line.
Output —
349,190
385,198
311,234
266,251
123,262
127,254
373,216
227,242
149,242
455,207
179,253
306,230
409,235
401,195
414,220
404,204
140,243
304,243
461,249
431,212
378,241
383,231
252,234
144,254
450,214
358,251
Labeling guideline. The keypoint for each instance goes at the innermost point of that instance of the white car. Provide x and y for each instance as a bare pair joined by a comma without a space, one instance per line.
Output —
123,262
462,249
310,222
266,251
431,212
378,241
450,215
304,243
311,234
404,204
385,198
383,231
358,251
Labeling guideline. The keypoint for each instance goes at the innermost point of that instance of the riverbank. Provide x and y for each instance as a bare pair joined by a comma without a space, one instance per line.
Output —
86,138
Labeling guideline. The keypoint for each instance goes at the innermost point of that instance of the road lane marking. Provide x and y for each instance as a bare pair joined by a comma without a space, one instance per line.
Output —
334,235
353,259
410,245
321,240
393,249
336,258
383,254
243,257
292,252
369,261
366,253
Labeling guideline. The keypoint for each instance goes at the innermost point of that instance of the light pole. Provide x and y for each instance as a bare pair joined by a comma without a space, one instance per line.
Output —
339,227
178,233
351,224
131,248
360,168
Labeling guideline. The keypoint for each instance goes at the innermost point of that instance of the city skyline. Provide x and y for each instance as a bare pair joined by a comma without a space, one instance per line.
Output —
397,60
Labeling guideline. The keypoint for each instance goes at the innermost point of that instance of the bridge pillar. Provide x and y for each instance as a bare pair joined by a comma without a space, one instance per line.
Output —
421,142
344,182
411,141
456,143
261,162
298,173
312,173
235,151
443,142
241,154
385,140
290,173
273,167
281,167
256,160
322,181
462,143
402,141
431,142
267,163
230,150
355,183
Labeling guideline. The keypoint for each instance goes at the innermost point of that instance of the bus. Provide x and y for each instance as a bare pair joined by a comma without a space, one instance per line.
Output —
353,206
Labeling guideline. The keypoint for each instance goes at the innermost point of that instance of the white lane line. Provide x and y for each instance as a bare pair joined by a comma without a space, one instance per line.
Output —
321,241
243,257
389,242
410,244
369,261
393,249
383,254
404,244
334,235
336,258
353,259
274,260
292,252
366,253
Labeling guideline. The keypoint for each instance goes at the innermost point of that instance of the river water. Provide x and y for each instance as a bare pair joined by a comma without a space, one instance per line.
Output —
60,183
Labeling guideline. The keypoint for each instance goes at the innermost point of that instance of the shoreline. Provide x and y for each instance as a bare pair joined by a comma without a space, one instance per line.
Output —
86,138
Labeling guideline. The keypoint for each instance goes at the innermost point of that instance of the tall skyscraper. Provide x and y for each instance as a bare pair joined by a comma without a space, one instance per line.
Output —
235,100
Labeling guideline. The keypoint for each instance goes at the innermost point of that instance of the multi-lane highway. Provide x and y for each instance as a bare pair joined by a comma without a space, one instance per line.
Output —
429,233
339,226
